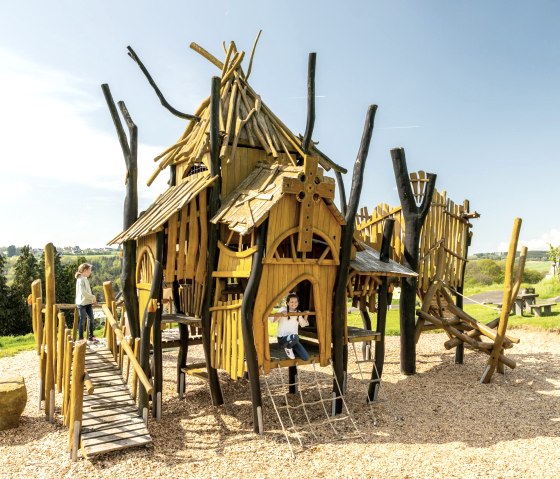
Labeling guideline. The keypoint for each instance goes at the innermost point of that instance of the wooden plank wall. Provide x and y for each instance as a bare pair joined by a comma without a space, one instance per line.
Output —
444,227
227,350
185,259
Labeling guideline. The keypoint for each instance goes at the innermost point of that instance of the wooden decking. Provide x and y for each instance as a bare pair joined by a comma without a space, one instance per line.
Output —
110,417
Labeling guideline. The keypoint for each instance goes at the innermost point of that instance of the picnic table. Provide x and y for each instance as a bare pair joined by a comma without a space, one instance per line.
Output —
523,300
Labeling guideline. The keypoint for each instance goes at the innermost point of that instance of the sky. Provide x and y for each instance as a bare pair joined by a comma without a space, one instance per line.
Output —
470,90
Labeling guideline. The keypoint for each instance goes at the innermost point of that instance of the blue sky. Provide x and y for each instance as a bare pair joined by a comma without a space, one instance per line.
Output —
471,90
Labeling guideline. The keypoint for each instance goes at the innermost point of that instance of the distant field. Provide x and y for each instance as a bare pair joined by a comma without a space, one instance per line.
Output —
542,266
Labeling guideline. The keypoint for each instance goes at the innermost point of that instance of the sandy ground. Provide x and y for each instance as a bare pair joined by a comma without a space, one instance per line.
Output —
439,423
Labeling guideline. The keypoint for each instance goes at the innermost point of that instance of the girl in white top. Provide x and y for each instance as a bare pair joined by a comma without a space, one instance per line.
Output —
84,300
288,328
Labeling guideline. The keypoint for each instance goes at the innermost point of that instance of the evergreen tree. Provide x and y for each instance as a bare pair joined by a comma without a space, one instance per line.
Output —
4,297
25,272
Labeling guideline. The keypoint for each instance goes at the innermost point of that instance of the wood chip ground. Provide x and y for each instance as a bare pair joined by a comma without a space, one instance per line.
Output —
438,423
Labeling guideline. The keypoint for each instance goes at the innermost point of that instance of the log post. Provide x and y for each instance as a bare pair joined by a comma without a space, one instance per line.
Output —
149,318
76,399
306,141
247,306
157,358
183,340
414,217
130,153
49,330
460,350
377,370
507,300
339,301
212,257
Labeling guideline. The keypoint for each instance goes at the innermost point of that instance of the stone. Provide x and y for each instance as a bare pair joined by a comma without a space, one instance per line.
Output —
13,398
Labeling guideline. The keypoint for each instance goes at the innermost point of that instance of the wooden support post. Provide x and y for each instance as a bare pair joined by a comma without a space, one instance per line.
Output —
76,398
37,316
183,342
506,306
130,153
49,330
60,350
339,309
460,351
414,217
377,370
134,388
292,379
247,306
157,358
149,318
212,257
69,349
109,301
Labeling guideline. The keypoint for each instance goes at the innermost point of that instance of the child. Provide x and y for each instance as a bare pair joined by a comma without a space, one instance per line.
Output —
288,328
84,300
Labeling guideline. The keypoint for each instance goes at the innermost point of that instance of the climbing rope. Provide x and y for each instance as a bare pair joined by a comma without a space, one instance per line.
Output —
280,400
493,308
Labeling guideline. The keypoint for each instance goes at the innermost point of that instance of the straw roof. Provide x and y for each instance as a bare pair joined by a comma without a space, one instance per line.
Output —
164,207
244,121
248,205
367,262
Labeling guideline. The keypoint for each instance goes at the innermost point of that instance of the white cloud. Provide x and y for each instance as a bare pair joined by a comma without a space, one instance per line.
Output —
46,133
538,244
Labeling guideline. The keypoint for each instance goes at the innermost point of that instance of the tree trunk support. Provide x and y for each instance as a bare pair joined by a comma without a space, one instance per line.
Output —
212,258
377,371
247,306
339,309
130,153
414,217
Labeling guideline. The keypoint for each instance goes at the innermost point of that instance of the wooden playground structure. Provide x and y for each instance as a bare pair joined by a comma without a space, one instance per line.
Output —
444,241
248,217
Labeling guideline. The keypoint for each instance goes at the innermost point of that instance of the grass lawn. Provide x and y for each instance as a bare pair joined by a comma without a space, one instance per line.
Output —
10,345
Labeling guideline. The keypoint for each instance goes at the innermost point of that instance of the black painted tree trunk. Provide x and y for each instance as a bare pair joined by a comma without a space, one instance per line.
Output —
414,216
130,214
339,300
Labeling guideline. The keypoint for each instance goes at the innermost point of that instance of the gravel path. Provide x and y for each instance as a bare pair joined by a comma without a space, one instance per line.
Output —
438,423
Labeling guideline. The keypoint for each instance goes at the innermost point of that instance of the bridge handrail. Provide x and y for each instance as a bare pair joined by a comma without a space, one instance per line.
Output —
128,350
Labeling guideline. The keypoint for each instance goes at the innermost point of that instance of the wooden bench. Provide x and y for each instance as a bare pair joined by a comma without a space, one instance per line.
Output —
542,309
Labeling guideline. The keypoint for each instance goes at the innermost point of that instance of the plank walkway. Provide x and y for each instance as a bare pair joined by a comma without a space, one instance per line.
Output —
110,417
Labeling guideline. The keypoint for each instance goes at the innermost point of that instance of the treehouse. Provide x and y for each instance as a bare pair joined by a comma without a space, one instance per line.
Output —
249,216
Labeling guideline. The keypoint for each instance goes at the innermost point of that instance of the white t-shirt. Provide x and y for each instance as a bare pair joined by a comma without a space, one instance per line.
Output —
287,324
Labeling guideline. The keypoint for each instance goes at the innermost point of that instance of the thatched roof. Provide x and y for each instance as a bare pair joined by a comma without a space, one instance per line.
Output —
367,262
248,205
164,207
244,121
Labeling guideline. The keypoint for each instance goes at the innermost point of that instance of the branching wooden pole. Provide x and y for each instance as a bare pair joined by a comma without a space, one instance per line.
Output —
130,213
306,141
339,309
132,54
212,257
341,193
414,217
381,313
247,328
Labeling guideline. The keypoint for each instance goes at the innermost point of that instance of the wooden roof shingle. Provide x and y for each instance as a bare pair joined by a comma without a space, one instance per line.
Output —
164,207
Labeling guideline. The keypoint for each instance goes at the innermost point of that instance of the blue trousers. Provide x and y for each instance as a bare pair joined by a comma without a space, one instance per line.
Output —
85,312
292,341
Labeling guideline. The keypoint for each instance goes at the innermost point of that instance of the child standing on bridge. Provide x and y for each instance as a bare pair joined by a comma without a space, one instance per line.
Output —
84,300
288,328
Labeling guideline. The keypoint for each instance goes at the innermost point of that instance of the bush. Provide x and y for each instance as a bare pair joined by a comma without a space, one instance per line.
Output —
532,276
484,271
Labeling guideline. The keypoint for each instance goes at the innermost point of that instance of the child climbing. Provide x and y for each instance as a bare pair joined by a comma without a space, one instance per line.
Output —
288,328
84,300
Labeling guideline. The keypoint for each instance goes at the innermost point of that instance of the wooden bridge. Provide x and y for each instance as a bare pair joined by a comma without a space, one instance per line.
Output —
110,416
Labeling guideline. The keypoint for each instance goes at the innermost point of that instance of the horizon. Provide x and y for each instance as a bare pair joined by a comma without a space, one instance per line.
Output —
470,91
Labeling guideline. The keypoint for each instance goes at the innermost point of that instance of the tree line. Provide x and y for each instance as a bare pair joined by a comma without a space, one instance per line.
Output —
15,315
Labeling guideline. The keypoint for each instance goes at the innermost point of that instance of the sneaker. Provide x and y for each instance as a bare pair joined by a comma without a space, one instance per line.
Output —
93,340
290,353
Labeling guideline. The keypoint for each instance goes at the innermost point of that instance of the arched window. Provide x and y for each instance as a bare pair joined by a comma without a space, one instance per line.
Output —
284,249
